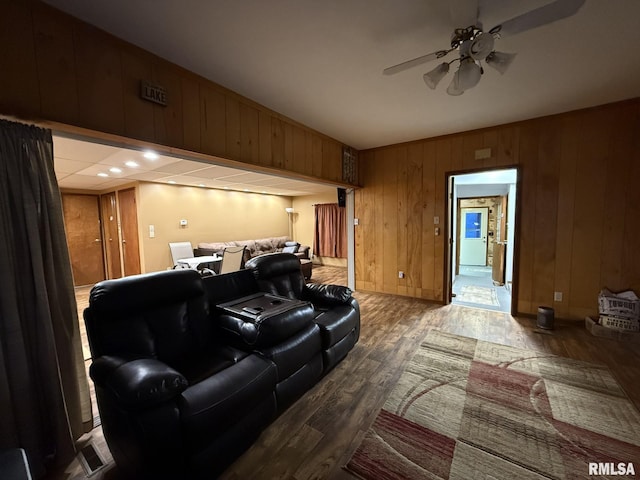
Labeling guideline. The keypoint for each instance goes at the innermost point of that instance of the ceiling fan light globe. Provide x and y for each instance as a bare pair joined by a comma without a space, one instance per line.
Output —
454,87
433,77
500,61
481,46
468,74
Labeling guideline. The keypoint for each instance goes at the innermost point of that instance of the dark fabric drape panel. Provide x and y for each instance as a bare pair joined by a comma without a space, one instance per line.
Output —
330,239
44,394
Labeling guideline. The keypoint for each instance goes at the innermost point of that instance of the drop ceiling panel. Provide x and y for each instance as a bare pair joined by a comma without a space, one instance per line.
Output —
121,155
91,183
149,176
182,166
83,151
66,165
217,171
83,174
262,181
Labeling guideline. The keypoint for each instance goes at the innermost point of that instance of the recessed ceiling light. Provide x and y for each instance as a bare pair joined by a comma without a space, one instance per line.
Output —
150,155
246,190
102,174
115,170
202,185
171,181
131,164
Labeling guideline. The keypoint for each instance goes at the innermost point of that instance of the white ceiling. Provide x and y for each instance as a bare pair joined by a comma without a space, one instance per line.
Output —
485,184
90,166
321,62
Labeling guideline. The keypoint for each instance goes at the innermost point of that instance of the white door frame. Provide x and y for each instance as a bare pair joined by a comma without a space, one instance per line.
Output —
351,262
513,232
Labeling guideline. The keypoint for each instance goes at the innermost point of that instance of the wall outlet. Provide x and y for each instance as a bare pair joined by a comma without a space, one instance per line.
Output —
557,296
401,274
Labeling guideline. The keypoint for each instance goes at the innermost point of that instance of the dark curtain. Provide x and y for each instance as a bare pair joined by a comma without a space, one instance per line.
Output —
330,239
44,394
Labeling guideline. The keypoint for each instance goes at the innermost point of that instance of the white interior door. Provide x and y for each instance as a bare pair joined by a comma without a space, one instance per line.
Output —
473,236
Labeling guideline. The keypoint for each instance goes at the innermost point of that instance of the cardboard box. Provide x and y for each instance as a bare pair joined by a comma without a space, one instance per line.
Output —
622,305
624,324
598,330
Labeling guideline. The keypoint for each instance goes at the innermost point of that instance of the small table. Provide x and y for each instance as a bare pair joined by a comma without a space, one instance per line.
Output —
260,304
195,262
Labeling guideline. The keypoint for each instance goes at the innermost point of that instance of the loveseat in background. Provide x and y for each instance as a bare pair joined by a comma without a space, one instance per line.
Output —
254,248
261,246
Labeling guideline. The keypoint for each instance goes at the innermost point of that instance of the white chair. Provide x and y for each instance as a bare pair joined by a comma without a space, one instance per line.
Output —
232,259
180,250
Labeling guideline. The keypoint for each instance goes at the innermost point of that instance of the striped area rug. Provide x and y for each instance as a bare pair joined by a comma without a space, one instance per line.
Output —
469,409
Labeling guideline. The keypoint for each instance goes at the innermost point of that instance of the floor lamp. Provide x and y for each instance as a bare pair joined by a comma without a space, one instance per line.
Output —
289,211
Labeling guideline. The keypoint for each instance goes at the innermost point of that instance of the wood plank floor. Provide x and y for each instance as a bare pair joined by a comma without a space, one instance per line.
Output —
315,437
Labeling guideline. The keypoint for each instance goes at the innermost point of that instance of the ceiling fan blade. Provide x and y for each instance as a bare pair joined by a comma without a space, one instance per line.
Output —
464,13
415,62
540,16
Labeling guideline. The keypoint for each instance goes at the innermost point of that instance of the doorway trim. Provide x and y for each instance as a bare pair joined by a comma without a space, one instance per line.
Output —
449,250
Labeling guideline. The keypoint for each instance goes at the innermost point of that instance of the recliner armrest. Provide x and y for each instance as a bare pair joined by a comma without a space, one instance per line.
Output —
138,383
303,252
326,294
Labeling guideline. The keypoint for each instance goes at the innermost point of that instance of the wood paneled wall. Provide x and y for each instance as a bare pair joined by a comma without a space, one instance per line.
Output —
578,216
57,68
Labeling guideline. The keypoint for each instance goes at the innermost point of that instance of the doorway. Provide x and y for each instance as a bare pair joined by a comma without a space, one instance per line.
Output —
482,239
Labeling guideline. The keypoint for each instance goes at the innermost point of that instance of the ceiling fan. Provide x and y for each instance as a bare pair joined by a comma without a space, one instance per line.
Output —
474,45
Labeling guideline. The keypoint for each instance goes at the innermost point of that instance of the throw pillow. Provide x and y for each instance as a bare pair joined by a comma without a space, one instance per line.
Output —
291,249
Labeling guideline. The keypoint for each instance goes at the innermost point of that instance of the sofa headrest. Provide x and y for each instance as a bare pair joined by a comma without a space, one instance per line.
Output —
227,286
274,264
138,292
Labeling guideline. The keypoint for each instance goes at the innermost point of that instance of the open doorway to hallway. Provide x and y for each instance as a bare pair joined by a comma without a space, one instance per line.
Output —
482,240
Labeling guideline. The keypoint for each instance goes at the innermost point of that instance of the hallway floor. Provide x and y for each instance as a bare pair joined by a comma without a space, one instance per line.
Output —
474,287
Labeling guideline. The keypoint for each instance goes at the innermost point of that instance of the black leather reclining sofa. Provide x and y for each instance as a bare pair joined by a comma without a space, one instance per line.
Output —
185,385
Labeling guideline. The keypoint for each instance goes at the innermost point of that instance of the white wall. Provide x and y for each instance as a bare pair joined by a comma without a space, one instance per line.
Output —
212,216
